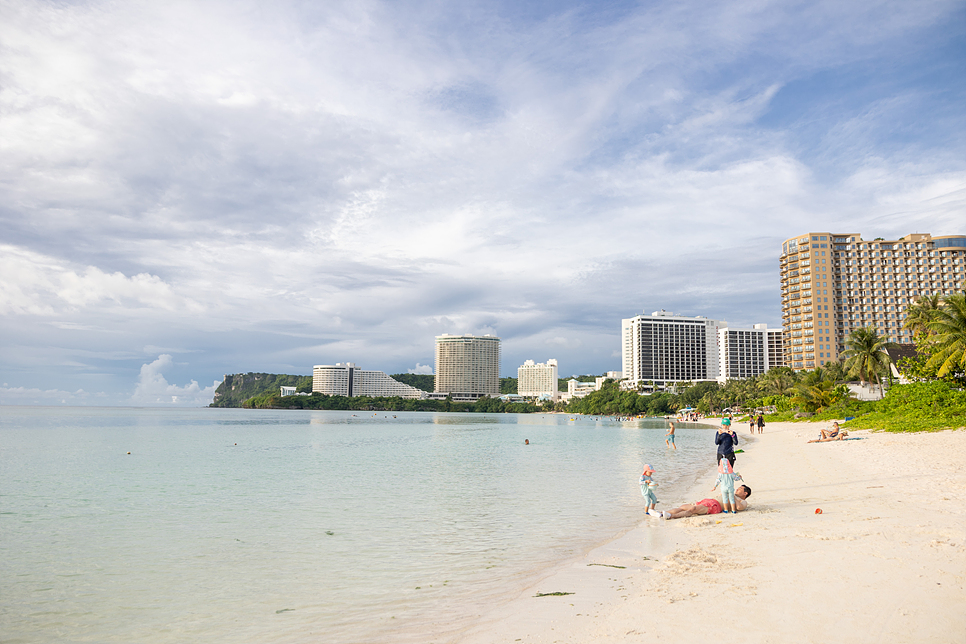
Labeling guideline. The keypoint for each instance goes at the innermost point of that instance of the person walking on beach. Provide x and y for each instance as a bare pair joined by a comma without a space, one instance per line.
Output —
669,436
726,440
761,423
647,491
751,424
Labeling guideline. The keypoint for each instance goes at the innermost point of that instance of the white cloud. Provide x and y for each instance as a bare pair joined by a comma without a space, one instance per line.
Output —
569,343
46,286
422,369
153,389
35,396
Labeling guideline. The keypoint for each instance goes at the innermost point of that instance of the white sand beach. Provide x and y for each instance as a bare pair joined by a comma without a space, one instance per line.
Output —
884,561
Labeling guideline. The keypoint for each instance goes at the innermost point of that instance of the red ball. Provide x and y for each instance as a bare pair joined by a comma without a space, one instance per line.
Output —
818,510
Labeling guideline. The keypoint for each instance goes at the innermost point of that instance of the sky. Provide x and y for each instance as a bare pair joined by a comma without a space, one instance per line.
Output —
193,189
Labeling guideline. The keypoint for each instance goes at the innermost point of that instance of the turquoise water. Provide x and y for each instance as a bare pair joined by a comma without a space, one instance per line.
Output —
226,525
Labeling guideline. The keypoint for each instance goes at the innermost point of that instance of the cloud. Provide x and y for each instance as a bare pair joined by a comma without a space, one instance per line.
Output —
35,396
153,389
45,286
422,369
563,342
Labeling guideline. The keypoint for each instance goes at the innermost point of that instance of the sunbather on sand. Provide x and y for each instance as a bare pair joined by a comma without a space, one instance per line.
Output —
834,434
708,506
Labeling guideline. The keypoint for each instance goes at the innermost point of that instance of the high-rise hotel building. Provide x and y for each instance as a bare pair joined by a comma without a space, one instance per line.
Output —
667,348
467,366
834,283
746,353
538,380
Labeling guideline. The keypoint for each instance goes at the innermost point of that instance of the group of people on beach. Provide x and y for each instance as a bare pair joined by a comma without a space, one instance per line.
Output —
753,423
732,500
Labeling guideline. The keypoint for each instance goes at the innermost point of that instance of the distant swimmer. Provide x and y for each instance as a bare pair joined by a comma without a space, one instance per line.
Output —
526,441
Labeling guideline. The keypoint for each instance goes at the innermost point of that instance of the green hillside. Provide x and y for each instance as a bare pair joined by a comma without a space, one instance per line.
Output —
417,380
239,387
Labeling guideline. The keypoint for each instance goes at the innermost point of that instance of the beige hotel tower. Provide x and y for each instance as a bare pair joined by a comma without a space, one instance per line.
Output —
467,366
833,283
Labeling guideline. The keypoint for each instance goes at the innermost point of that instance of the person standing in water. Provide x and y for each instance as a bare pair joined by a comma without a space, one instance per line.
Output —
669,436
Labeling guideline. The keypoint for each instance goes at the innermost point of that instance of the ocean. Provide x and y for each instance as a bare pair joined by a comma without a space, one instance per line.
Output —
231,525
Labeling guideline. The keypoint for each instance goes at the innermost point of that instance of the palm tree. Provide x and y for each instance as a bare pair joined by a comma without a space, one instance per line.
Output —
778,381
949,336
865,355
819,388
835,372
920,314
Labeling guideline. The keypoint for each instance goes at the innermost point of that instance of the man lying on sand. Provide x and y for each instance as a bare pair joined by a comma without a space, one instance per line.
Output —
708,506
834,434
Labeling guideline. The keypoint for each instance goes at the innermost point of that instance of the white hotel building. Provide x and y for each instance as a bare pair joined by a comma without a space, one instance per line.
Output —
664,348
667,348
746,353
346,379
538,380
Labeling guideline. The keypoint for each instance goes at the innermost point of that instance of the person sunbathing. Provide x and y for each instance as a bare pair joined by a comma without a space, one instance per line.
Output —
708,506
834,434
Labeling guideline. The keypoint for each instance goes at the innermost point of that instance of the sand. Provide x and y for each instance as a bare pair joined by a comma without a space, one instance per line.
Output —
884,561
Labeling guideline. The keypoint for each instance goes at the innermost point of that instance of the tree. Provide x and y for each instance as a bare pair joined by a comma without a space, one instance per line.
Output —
920,314
948,329
865,355
818,389
836,372
778,381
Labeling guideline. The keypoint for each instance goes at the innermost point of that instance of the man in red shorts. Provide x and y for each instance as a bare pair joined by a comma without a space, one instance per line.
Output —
708,506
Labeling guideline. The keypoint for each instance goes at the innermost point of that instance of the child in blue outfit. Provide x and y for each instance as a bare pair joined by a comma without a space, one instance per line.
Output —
647,491
726,479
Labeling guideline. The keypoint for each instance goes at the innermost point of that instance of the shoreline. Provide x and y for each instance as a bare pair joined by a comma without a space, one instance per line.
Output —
885,559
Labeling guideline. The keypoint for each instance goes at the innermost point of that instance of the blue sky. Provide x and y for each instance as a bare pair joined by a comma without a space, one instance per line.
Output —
195,189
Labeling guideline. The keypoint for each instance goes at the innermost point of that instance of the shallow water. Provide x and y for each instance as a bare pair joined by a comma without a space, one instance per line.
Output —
249,525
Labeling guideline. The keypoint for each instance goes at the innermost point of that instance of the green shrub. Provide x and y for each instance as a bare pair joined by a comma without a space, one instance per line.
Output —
919,406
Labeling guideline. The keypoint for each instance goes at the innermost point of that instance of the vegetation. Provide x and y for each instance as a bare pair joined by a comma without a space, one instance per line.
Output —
417,380
818,390
865,355
940,330
919,406
239,387
367,403
920,314
612,401
947,335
